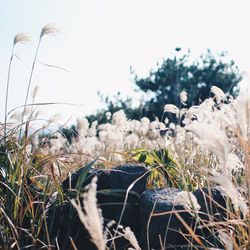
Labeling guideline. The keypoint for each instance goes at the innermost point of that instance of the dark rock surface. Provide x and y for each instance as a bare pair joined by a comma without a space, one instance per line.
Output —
63,223
212,202
120,177
150,214
112,186
213,209
166,226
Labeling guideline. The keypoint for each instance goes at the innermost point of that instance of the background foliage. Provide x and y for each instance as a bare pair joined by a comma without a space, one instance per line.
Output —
175,74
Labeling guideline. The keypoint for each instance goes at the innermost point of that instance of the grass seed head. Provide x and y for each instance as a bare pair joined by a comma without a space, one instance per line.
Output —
21,38
50,30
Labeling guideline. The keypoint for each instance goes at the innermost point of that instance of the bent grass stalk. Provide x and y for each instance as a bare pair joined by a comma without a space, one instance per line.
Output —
19,38
50,30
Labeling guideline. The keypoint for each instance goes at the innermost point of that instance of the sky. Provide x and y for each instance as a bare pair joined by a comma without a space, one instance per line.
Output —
101,39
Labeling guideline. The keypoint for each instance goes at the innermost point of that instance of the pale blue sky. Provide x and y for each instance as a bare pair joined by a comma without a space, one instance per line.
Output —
100,39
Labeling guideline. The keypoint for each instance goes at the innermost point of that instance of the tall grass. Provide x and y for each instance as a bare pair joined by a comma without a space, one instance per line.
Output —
211,149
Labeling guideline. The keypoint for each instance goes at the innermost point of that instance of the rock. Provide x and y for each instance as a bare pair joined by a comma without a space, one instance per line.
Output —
120,177
213,208
63,223
112,187
166,226
212,202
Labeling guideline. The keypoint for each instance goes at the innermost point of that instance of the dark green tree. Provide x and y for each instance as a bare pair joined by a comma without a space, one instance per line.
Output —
114,104
195,77
175,74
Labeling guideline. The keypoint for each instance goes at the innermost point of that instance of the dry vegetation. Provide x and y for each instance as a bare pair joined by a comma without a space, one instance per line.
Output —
211,148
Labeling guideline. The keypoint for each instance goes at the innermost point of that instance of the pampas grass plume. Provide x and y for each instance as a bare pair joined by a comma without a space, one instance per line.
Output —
50,30
91,216
183,97
219,94
187,200
21,38
171,109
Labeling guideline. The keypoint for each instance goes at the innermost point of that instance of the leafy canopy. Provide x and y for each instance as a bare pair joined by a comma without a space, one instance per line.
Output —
176,74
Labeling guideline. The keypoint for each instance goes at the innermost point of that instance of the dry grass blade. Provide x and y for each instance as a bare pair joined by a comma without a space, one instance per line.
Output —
12,227
189,229
73,244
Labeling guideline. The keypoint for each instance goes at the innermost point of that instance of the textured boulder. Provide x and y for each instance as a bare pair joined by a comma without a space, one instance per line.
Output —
63,222
151,214
213,208
120,177
212,202
113,198
166,228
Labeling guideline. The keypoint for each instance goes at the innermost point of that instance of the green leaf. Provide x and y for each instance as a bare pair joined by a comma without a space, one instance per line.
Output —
84,174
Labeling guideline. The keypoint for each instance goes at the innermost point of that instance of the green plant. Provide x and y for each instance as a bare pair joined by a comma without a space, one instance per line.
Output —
163,169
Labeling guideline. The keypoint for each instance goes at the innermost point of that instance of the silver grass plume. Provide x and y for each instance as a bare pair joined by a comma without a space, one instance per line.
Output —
91,216
219,94
183,97
187,200
212,137
171,108
50,30
130,236
21,38
228,187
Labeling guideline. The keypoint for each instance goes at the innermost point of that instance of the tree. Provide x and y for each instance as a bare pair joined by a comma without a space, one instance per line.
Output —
114,104
178,73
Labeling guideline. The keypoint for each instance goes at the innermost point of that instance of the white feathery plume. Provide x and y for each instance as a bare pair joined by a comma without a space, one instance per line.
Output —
50,30
82,127
134,126
226,240
119,119
228,188
54,118
91,216
131,141
242,112
243,206
108,115
172,126
219,94
34,91
183,97
166,121
130,236
234,163
144,126
171,108
21,38
92,129
16,116
212,137
186,199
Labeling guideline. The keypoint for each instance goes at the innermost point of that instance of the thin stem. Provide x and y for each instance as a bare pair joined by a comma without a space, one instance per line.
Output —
6,97
29,84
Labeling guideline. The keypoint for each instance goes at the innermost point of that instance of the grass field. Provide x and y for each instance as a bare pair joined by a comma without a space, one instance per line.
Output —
211,148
